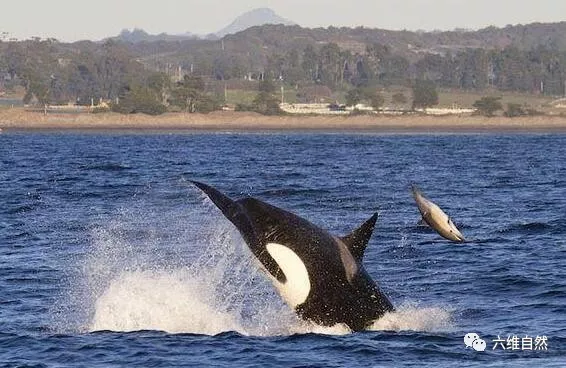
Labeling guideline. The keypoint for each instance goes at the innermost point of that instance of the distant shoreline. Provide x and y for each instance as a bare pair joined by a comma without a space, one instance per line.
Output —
17,119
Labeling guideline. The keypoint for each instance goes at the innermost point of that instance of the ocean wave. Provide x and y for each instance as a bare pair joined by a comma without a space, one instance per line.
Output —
109,166
535,228
410,317
291,192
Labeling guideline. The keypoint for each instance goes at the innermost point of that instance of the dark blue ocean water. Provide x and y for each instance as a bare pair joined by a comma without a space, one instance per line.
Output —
109,257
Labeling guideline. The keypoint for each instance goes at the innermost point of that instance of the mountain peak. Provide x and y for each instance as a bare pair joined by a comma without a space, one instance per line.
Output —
139,35
255,17
262,11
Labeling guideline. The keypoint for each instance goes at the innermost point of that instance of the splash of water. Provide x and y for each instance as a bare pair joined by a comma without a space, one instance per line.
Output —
173,271
410,317
173,301
202,280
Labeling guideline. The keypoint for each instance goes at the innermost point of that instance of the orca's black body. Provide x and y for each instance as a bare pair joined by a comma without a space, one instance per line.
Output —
337,288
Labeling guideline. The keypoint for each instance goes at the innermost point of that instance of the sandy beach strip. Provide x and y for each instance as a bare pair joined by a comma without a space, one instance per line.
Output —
19,119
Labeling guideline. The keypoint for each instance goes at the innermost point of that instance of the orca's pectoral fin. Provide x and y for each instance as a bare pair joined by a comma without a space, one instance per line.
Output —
358,239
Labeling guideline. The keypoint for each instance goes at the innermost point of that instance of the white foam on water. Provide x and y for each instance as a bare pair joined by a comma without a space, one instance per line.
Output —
179,273
169,301
410,317
337,329
191,273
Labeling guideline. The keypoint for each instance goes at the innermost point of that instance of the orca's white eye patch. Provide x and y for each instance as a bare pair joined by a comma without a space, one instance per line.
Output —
297,287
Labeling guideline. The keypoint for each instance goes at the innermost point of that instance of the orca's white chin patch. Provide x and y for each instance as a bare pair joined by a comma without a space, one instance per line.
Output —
297,287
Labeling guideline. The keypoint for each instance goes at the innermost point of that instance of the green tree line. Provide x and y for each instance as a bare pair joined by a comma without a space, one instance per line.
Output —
54,72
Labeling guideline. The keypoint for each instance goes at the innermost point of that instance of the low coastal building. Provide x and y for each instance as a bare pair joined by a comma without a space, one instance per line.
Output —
439,111
336,109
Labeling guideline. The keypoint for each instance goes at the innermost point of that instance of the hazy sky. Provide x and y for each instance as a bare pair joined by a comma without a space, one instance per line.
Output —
71,20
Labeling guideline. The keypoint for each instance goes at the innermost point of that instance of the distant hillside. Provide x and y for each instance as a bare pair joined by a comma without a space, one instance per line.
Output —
139,35
256,17
269,38
412,45
523,58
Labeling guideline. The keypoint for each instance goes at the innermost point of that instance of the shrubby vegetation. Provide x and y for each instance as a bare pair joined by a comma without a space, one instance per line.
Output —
399,99
515,110
266,102
424,94
139,100
156,75
366,95
190,96
488,106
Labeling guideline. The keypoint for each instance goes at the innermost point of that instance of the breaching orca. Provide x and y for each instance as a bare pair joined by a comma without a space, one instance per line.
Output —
319,275
436,218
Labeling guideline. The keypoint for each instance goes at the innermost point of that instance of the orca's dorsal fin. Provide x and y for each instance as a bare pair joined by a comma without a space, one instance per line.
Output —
358,239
